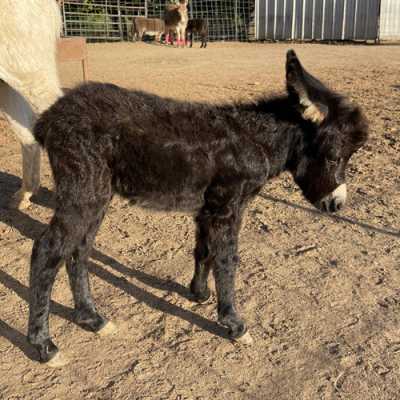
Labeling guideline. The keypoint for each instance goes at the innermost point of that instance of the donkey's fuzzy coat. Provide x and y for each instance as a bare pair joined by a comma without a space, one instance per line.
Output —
171,155
143,25
200,26
176,20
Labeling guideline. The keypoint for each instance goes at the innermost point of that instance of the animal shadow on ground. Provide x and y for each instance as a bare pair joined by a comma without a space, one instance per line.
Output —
32,228
390,232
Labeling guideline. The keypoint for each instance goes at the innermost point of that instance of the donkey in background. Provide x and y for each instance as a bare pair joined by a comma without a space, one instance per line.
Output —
205,159
143,25
176,19
200,26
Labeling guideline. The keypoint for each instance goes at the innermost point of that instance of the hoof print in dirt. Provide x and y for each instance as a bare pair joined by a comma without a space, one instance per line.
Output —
58,361
246,339
108,329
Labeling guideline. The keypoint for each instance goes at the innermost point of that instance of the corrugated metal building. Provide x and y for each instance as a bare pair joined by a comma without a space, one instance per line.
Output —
317,19
389,26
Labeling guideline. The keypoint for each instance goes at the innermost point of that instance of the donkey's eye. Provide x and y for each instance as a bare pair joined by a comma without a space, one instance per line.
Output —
332,161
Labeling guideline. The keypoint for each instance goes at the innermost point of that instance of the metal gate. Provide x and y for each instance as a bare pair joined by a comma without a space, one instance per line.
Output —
317,19
100,19
227,19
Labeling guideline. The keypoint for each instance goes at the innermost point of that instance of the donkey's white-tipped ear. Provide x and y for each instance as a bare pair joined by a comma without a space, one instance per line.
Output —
299,83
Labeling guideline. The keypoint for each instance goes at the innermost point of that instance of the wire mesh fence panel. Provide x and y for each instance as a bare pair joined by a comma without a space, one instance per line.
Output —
100,19
112,19
227,19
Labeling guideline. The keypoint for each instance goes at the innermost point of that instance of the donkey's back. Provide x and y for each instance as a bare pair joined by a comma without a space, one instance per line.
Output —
160,153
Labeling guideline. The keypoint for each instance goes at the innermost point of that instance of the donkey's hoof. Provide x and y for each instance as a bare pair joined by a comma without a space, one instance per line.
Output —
108,329
200,296
203,297
58,361
48,352
20,200
245,339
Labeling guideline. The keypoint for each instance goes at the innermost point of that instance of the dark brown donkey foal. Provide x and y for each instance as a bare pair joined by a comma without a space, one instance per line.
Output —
205,159
200,26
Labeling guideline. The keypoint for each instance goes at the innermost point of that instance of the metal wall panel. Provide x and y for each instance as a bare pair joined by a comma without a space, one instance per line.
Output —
261,18
328,19
271,18
280,19
287,31
349,19
339,19
319,19
298,18
308,19
389,27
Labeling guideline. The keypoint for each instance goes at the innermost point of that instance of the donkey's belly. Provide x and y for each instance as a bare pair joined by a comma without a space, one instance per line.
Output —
185,201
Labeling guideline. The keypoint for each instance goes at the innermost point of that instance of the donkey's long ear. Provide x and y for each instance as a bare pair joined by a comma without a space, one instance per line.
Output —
307,90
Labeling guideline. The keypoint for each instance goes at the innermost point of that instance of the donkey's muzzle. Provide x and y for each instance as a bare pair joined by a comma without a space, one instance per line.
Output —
334,201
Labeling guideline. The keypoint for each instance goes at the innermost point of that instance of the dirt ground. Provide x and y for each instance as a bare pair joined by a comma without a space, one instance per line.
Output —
321,294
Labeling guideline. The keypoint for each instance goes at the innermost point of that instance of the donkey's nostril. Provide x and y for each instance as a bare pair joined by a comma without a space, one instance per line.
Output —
330,205
336,205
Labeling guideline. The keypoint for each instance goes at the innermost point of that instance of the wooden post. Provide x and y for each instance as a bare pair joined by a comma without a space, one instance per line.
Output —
73,49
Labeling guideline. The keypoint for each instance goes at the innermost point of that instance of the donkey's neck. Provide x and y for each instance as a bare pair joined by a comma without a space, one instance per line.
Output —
281,143
276,126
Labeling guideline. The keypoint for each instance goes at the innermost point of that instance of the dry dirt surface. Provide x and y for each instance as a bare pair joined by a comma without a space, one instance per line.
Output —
321,294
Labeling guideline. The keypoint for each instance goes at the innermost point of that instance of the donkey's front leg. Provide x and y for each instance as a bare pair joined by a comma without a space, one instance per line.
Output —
224,269
222,236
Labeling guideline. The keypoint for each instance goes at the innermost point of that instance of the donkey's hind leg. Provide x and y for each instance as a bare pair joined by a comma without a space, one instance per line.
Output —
86,314
47,255
69,237
21,117
199,284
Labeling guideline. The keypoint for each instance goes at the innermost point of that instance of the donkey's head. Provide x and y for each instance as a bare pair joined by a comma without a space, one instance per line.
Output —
333,130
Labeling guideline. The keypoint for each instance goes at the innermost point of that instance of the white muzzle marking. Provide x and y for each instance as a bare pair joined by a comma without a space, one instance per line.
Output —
335,200
340,193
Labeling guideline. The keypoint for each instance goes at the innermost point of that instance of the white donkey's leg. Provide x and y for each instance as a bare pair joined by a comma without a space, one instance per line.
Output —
21,117
183,35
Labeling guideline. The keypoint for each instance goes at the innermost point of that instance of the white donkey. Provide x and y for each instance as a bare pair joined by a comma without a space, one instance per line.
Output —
28,77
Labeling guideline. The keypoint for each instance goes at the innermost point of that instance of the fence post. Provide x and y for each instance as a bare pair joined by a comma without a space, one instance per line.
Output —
64,24
236,24
146,6
121,34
